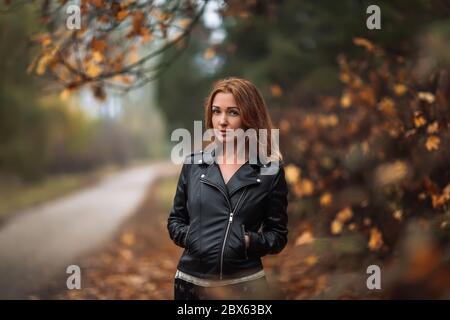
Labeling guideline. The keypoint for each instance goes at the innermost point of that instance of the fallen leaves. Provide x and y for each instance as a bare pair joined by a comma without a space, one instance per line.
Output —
432,143
304,187
121,15
326,199
398,215
98,45
128,238
346,100
138,264
276,90
311,260
93,70
419,120
336,227
375,240
369,46
305,238
426,96
375,135
387,106
292,174
439,200
433,127
341,218
400,89
391,173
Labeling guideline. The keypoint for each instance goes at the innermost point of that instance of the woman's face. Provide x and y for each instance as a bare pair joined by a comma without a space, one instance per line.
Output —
225,115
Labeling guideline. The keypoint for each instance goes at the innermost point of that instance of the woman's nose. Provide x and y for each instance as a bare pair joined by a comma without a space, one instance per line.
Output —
223,120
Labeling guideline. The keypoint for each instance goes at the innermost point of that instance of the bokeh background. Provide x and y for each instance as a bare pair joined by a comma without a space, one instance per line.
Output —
86,117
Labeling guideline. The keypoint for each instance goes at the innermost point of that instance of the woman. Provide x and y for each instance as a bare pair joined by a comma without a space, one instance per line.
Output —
228,215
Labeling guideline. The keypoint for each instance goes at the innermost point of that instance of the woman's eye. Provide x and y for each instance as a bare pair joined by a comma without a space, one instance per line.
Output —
234,113
216,111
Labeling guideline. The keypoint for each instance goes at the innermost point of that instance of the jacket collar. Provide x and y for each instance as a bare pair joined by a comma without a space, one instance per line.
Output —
246,175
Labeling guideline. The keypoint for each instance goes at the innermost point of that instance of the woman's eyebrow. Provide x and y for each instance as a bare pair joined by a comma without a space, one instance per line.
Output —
225,107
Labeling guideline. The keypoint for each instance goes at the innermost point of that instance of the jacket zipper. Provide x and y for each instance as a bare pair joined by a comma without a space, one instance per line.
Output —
230,219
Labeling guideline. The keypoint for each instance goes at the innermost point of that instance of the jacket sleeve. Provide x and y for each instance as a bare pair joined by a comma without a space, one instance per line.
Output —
178,221
273,236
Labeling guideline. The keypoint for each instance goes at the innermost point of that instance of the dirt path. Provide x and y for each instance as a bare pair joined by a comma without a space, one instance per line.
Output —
140,262
38,244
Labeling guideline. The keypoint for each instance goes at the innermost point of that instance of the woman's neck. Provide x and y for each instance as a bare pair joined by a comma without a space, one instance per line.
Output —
235,156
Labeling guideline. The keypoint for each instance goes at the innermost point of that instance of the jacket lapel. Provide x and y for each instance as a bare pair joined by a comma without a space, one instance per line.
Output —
213,176
246,175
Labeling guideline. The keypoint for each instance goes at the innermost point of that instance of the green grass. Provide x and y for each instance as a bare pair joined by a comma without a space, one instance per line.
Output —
16,196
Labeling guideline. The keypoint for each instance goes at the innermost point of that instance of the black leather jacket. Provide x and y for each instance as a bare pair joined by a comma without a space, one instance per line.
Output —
209,218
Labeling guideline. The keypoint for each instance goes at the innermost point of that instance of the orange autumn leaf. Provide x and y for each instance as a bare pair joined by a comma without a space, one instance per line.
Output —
341,217
121,15
398,215
284,125
352,226
43,39
432,143
126,254
128,239
387,105
439,200
97,56
146,35
400,89
97,3
426,96
305,187
138,19
328,120
93,70
392,173
433,127
419,120
98,45
375,240
364,43
305,238
367,95
276,90
336,227
346,100
345,214
42,64
326,199
311,260
292,173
